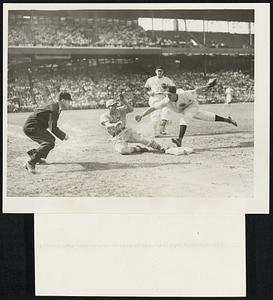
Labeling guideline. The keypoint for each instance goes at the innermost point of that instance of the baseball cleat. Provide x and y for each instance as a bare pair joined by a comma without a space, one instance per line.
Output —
163,132
231,121
177,142
30,168
212,82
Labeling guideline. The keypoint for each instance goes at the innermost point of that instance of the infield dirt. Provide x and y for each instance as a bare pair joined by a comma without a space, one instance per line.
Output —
87,165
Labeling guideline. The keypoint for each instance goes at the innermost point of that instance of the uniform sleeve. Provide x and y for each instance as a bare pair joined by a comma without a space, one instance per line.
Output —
147,84
186,97
161,104
52,124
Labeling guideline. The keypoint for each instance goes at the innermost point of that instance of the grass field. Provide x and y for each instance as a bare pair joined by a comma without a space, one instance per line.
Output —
87,165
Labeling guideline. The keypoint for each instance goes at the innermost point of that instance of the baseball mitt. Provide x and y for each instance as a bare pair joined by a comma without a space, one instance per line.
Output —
114,129
212,82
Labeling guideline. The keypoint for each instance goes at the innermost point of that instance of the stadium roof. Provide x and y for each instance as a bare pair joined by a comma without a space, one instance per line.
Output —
243,15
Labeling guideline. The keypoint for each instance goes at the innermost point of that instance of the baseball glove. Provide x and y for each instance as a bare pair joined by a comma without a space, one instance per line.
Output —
115,129
212,82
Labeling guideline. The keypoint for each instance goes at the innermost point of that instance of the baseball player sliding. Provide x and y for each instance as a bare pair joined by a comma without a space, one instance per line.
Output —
115,122
156,86
186,104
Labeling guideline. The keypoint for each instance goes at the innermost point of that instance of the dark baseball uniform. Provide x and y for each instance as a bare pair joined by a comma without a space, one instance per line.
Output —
36,128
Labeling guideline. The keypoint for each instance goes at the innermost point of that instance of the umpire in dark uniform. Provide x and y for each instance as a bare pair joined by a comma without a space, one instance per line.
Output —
36,128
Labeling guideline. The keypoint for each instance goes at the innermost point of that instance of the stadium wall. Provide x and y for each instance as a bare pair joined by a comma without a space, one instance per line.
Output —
111,51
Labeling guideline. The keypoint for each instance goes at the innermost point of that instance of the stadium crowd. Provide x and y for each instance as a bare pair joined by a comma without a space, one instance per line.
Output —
104,35
94,89
113,33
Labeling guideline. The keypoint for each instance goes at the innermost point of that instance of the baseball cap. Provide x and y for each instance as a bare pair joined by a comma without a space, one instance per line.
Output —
159,68
110,102
65,96
171,89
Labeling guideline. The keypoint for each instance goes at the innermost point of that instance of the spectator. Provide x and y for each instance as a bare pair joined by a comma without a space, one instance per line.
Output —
89,92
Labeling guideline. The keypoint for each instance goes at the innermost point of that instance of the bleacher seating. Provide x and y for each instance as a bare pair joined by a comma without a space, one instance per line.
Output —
93,91
107,33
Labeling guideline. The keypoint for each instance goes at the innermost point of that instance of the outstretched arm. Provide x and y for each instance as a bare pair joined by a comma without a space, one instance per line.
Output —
201,89
146,112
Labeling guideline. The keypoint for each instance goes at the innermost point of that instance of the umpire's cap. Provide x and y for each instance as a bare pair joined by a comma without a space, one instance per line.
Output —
171,89
65,96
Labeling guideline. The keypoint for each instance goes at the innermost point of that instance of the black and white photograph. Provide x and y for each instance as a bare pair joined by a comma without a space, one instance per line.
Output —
118,102
138,136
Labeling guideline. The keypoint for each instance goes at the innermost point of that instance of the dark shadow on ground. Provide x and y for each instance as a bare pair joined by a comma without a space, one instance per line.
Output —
219,133
95,166
205,134
249,144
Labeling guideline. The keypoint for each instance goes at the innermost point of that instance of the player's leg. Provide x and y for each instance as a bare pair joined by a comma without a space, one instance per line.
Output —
155,118
135,137
165,112
228,99
163,124
125,150
209,116
182,131
46,141
122,147
186,114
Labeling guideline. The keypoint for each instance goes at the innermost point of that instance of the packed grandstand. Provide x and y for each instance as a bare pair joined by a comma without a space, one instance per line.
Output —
92,85
94,89
106,32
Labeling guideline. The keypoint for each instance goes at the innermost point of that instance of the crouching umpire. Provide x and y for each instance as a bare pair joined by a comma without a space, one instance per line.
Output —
36,128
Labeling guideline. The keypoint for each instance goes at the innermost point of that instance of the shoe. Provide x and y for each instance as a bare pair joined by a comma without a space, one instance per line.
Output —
163,132
212,82
177,142
41,161
164,150
231,121
30,168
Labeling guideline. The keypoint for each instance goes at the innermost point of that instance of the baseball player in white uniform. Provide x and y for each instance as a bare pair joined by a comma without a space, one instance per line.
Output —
116,124
228,93
155,86
185,103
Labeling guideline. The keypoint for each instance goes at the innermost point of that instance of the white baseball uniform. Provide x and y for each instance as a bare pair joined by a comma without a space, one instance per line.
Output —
125,135
187,105
228,92
155,84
